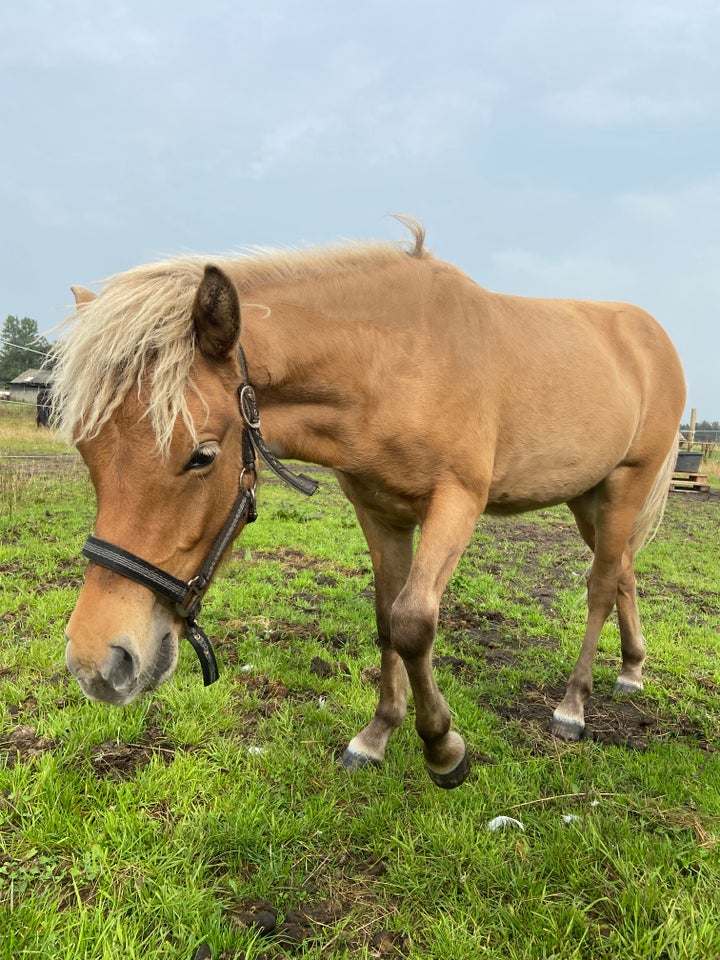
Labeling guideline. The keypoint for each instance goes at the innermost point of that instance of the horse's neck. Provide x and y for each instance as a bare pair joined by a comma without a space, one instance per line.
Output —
309,373
322,352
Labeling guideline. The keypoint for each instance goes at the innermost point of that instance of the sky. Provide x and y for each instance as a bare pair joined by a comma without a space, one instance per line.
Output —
550,148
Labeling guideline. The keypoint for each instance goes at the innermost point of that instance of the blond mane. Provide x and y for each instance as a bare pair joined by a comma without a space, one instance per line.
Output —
139,330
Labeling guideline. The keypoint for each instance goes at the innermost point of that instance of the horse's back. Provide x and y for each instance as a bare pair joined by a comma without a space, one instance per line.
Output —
532,400
543,398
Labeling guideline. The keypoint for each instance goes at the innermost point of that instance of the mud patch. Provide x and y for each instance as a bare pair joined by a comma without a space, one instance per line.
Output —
322,668
696,496
271,695
289,634
295,560
67,575
468,629
284,633
612,721
288,931
119,760
22,744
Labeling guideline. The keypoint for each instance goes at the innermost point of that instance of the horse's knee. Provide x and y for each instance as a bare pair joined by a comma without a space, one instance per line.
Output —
412,628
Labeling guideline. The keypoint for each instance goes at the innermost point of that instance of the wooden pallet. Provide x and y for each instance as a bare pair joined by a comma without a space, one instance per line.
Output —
689,482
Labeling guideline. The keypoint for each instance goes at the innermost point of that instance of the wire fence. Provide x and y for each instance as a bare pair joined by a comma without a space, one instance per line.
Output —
19,346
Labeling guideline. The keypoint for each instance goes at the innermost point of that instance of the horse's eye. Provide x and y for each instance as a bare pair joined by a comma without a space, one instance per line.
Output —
203,457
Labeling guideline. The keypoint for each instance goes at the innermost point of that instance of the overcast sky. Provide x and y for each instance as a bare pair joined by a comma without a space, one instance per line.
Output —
550,148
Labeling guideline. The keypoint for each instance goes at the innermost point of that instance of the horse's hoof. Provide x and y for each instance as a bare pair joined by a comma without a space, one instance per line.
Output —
566,729
352,760
453,778
628,687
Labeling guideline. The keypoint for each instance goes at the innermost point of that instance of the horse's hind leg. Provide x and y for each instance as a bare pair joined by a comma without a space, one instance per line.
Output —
605,517
391,554
632,641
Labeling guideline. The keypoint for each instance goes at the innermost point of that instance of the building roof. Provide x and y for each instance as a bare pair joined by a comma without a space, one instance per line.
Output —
33,378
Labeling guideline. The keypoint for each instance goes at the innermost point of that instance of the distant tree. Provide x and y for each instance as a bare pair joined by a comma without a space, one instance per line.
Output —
704,430
16,336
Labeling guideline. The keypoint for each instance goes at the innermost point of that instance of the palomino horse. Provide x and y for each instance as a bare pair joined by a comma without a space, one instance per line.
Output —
432,399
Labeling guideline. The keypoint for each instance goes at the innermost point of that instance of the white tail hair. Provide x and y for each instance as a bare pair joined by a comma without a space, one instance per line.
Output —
647,523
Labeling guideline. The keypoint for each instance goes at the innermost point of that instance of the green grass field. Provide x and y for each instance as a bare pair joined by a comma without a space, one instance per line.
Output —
222,815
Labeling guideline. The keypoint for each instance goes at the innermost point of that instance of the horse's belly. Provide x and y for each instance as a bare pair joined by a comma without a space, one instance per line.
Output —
532,483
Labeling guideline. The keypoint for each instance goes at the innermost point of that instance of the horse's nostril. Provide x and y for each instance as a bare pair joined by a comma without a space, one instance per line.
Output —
119,670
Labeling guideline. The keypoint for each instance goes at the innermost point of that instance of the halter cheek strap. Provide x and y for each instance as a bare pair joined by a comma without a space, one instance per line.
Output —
187,596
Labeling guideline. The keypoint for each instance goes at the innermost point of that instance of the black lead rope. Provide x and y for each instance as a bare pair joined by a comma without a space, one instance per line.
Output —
187,596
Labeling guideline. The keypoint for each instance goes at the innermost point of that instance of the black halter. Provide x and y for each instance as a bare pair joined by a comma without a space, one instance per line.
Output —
187,596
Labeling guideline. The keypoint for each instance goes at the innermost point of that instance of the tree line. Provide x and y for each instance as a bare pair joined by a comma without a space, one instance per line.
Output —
705,430
21,348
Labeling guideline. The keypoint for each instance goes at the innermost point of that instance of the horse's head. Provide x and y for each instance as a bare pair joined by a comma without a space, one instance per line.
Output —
163,503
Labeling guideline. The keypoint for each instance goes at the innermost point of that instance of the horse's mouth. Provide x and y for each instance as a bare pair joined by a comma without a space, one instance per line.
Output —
162,668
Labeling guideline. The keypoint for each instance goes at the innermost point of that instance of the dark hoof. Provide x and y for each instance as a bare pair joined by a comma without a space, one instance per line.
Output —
356,761
454,777
568,730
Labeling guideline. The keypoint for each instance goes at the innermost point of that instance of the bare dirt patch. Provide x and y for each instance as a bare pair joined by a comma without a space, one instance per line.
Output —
289,931
119,760
22,743
627,722
295,561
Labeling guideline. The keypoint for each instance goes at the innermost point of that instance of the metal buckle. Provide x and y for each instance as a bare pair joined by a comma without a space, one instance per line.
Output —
190,605
248,407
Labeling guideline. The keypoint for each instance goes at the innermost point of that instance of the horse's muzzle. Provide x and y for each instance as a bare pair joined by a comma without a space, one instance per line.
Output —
113,680
119,678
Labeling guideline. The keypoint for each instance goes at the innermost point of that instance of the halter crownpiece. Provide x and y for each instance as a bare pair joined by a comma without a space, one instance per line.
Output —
187,596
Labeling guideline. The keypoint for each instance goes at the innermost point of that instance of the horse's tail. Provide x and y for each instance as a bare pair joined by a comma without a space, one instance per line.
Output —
648,520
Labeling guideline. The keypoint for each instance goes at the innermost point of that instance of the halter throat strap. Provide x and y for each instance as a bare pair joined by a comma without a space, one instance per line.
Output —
251,416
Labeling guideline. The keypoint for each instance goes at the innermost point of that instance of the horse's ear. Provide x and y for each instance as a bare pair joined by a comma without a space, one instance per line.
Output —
82,295
216,315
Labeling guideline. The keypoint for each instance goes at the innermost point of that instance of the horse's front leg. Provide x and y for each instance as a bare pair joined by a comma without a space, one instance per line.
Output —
446,531
391,549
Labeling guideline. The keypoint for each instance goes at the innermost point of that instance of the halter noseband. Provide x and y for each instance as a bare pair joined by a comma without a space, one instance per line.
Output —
187,596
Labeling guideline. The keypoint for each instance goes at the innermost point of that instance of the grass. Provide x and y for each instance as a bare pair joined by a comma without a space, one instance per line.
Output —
19,435
139,832
711,467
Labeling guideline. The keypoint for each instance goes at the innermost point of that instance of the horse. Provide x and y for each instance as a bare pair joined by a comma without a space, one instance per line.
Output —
43,407
432,399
